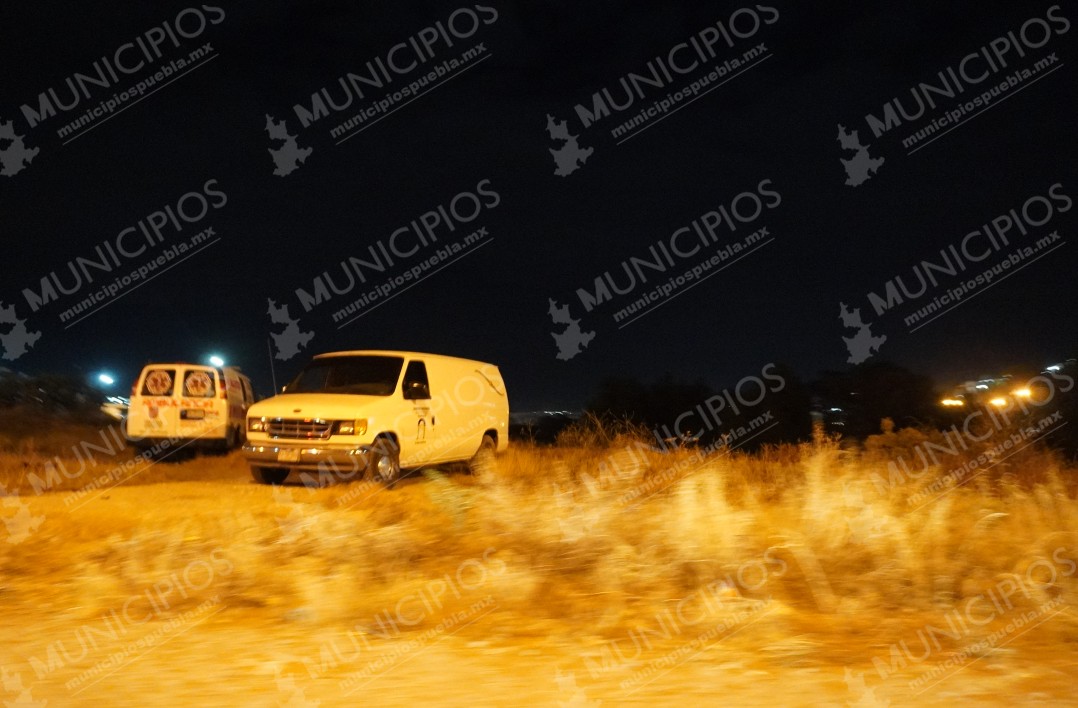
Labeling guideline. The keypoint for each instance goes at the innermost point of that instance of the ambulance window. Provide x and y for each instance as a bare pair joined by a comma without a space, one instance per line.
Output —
198,383
416,385
159,382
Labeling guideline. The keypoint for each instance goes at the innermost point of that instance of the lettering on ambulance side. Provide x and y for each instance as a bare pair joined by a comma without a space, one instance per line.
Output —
173,403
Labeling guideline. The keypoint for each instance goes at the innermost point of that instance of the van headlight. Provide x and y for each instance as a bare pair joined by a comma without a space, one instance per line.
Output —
351,427
256,425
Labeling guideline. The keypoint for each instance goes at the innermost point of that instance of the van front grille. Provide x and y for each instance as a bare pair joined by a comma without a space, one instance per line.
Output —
300,428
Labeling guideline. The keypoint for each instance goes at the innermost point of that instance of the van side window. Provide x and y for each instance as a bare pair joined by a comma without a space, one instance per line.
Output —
416,385
159,382
248,394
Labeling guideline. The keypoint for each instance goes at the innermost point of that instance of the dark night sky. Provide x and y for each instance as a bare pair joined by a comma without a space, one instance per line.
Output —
551,234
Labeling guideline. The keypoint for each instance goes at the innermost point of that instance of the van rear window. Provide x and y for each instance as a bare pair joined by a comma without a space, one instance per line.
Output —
159,382
198,384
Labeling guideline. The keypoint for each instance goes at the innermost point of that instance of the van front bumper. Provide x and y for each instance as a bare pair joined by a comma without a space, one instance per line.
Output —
329,459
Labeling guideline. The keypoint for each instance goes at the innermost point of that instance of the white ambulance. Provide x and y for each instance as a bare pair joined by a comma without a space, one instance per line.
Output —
369,414
188,405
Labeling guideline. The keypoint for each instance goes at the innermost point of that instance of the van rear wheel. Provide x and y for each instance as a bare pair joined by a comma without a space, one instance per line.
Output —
269,475
484,457
230,442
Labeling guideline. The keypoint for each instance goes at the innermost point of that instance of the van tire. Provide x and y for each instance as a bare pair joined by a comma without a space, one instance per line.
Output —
481,460
269,475
231,440
385,461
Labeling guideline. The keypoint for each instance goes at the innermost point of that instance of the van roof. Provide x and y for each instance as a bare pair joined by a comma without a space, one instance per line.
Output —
187,363
405,354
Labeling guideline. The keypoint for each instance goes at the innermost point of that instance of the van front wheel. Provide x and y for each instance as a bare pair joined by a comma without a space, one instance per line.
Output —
386,461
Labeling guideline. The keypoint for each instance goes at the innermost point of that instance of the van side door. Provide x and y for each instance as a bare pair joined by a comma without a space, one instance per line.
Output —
200,409
154,404
416,389
248,394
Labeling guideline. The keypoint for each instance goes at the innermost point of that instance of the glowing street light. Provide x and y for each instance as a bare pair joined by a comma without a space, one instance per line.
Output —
105,379
217,361
1022,393
953,402
999,402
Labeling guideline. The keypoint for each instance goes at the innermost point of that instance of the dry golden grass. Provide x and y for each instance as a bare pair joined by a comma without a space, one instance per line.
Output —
589,539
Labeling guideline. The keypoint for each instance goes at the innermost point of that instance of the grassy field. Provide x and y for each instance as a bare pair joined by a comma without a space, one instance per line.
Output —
797,555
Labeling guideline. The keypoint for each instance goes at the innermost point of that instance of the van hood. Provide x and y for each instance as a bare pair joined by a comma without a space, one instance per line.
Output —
329,406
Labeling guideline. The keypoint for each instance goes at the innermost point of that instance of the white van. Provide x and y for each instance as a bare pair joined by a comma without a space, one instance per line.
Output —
372,413
189,404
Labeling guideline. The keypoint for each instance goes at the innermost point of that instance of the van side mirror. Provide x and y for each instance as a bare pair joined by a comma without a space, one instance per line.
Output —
416,391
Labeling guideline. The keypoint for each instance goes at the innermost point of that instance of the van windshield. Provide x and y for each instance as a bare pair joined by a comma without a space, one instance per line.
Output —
364,375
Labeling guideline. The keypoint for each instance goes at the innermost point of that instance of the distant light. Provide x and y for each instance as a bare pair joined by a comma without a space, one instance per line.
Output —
217,361
982,387
998,402
836,410
1022,392
106,379
953,402
1054,367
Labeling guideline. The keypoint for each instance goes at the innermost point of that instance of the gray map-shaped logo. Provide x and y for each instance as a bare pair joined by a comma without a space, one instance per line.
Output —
288,157
574,695
290,340
570,156
572,340
14,155
866,696
20,523
18,339
861,166
286,684
864,521
862,345
299,521
22,695
575,520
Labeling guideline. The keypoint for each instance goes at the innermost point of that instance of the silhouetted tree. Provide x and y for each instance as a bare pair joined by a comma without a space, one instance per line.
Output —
781,416
1064,401
542,429
622,398
790,410
654,406
869,392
